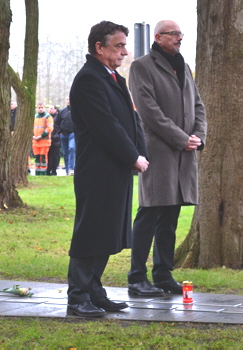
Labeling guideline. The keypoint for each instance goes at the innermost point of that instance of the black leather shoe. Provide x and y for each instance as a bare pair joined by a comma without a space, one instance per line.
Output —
109,305
85,309
144,288
170,286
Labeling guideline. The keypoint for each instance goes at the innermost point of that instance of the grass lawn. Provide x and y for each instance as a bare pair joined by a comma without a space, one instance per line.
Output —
34,246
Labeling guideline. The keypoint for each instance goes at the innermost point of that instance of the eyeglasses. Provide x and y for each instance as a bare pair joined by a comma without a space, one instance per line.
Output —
174,33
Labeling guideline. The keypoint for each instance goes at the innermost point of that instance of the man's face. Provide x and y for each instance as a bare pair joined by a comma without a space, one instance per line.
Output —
52,110
170,43
40,108
13,105
113,54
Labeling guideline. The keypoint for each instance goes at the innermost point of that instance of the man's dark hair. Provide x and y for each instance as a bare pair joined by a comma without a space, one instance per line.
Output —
101,32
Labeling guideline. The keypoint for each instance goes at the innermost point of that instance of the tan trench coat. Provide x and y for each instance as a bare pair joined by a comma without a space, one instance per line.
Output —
169,116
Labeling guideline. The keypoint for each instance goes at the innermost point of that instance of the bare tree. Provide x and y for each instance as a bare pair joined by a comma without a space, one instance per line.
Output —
58,64
216,234
25,90
8,194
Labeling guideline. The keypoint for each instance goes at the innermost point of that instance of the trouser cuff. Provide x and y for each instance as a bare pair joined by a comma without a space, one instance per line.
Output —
98,294
78,299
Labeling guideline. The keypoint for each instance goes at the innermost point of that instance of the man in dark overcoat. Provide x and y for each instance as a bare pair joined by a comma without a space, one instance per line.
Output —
174,122
109,147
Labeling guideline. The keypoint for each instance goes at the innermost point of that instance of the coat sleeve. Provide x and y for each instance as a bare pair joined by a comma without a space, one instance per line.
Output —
144,95
200,127
58,121
89,97
141,146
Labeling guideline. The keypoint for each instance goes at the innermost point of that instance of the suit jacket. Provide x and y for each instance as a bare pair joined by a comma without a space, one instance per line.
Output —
109,140
169,116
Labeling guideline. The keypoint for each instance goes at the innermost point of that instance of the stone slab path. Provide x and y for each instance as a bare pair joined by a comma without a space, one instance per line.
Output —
50,300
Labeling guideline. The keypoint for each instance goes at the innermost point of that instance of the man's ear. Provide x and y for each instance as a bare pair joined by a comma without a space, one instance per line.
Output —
157,37
98,47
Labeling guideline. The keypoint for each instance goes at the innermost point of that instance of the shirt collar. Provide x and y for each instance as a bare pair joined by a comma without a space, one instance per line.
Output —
109,71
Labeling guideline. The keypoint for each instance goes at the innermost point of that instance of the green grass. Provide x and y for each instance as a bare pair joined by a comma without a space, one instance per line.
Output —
34,246
34,333
42,231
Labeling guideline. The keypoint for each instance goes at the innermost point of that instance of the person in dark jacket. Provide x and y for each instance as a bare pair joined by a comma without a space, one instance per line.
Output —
54,151
64,122
109,147
13,108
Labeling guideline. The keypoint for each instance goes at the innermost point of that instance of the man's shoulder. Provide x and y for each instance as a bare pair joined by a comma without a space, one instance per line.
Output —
63,111
90,76
142,59
47,115
87,73
142,62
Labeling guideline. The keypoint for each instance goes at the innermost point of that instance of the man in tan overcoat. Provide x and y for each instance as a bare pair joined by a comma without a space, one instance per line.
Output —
174,123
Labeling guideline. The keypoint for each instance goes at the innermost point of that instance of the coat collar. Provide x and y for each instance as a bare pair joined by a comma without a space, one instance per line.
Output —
121,85
100,68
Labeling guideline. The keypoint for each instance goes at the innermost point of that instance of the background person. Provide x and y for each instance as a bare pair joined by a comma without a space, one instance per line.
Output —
174,123
41,141
13,109
65,125
54,151
110,145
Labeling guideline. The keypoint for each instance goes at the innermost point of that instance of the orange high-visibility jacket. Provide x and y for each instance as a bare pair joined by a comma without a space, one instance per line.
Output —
43,125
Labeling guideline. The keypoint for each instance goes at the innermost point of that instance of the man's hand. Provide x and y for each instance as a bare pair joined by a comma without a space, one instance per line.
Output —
37,138
141,164
193,143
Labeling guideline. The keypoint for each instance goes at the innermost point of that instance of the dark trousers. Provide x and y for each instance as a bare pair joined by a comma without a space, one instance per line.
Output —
68,148
159,223
84,279
53,160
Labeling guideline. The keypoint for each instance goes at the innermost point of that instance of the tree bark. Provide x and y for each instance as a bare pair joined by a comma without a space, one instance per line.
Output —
8,194
26,93
216,235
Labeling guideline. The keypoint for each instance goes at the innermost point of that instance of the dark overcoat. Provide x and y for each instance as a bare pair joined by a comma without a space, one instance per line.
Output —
109,140
169,116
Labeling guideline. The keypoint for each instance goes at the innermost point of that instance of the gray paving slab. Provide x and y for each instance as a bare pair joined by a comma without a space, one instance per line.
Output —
50,300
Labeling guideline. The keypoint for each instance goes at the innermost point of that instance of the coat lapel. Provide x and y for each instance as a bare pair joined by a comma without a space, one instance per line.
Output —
164,64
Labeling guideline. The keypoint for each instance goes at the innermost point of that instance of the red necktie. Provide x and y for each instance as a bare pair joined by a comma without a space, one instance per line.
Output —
114,76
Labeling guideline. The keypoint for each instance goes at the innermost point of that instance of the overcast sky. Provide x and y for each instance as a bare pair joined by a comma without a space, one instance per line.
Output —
63,21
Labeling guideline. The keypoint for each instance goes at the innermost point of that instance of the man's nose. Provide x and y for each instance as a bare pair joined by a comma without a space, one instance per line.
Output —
124,52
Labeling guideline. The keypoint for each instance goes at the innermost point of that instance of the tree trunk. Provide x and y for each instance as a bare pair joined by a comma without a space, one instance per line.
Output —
216,235
8,194
26,91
